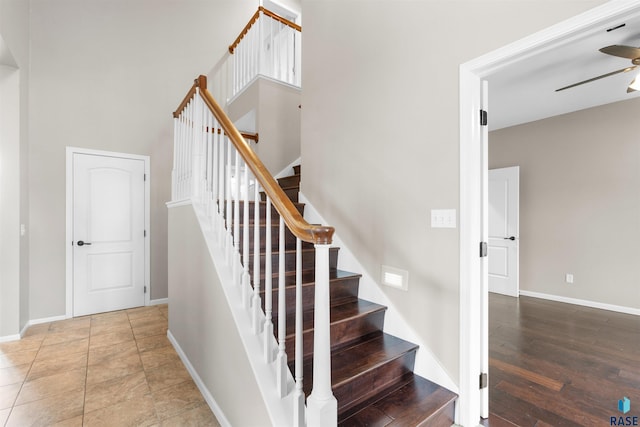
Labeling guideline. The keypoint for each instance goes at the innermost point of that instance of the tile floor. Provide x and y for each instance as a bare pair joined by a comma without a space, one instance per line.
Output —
111,369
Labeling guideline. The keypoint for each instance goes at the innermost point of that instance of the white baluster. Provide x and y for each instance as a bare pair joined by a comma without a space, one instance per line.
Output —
185,153
189,158
298,394
236,221
278,58
268,289
257,303
271,49
236,74
221,188
209,159
322,407
246,279
251,41
259,48
281,360
289,47
195,158
181,154
215,174
228,212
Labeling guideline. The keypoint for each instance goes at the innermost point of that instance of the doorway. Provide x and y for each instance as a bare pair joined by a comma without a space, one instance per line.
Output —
107,231
473,190
504,231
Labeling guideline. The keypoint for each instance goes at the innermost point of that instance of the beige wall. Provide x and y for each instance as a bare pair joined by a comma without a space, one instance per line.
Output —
14,256
277,121
380,134
107,75
201,322
579,202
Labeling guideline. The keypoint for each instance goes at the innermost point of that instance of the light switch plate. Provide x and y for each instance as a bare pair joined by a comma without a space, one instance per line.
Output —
443,218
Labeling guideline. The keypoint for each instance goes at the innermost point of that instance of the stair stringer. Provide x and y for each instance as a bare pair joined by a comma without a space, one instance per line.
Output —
426,364
280,410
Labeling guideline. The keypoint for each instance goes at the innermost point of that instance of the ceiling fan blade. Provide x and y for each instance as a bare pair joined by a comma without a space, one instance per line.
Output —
624,70
622,51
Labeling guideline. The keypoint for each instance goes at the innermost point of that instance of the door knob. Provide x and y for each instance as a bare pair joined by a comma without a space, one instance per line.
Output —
81,243
510,238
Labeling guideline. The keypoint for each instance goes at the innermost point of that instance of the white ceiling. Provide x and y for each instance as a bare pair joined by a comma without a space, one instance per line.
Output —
525,90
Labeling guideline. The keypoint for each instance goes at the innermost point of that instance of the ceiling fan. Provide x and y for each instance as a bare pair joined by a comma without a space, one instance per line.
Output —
629,52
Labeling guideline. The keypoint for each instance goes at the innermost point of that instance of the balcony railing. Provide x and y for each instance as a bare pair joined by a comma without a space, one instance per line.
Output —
269,45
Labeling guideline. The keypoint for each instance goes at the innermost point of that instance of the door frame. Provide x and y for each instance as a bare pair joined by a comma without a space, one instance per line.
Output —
69,219
473,194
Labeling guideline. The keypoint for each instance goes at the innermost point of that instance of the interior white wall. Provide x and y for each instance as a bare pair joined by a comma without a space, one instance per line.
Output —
9,201
14,33
380,135
579,202
277,120
107,76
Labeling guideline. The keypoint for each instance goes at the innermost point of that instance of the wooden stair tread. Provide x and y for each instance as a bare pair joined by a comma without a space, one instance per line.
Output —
365,356
415,402
308,277
339,313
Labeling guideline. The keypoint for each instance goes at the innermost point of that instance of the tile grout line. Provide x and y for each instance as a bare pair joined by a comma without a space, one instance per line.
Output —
24,380
86,372
155,410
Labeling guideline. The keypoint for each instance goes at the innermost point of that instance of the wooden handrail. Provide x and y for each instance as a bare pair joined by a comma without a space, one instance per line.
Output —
252,21
317,234
186,99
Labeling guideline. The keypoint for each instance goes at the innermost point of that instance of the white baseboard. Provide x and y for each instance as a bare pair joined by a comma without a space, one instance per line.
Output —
8,338
46,320
582,302
159,301
37,322
215,408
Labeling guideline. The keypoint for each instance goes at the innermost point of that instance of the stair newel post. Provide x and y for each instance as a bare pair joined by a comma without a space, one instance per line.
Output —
322,406
228,212
298,394
282,315
256,303
246,280
268,288
176,136
177,158
181,154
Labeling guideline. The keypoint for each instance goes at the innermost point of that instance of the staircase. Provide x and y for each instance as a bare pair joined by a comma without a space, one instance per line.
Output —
372,372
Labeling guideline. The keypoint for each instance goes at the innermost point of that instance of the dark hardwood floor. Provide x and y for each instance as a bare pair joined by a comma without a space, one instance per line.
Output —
555,364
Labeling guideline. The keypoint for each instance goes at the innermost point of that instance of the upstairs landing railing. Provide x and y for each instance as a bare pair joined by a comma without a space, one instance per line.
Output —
269,45
216,169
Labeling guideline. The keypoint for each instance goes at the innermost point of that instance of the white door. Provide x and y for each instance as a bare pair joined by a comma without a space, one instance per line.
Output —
504,244
108,233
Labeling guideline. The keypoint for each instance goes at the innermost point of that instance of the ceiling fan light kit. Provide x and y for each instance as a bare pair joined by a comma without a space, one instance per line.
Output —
628,52
635,84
